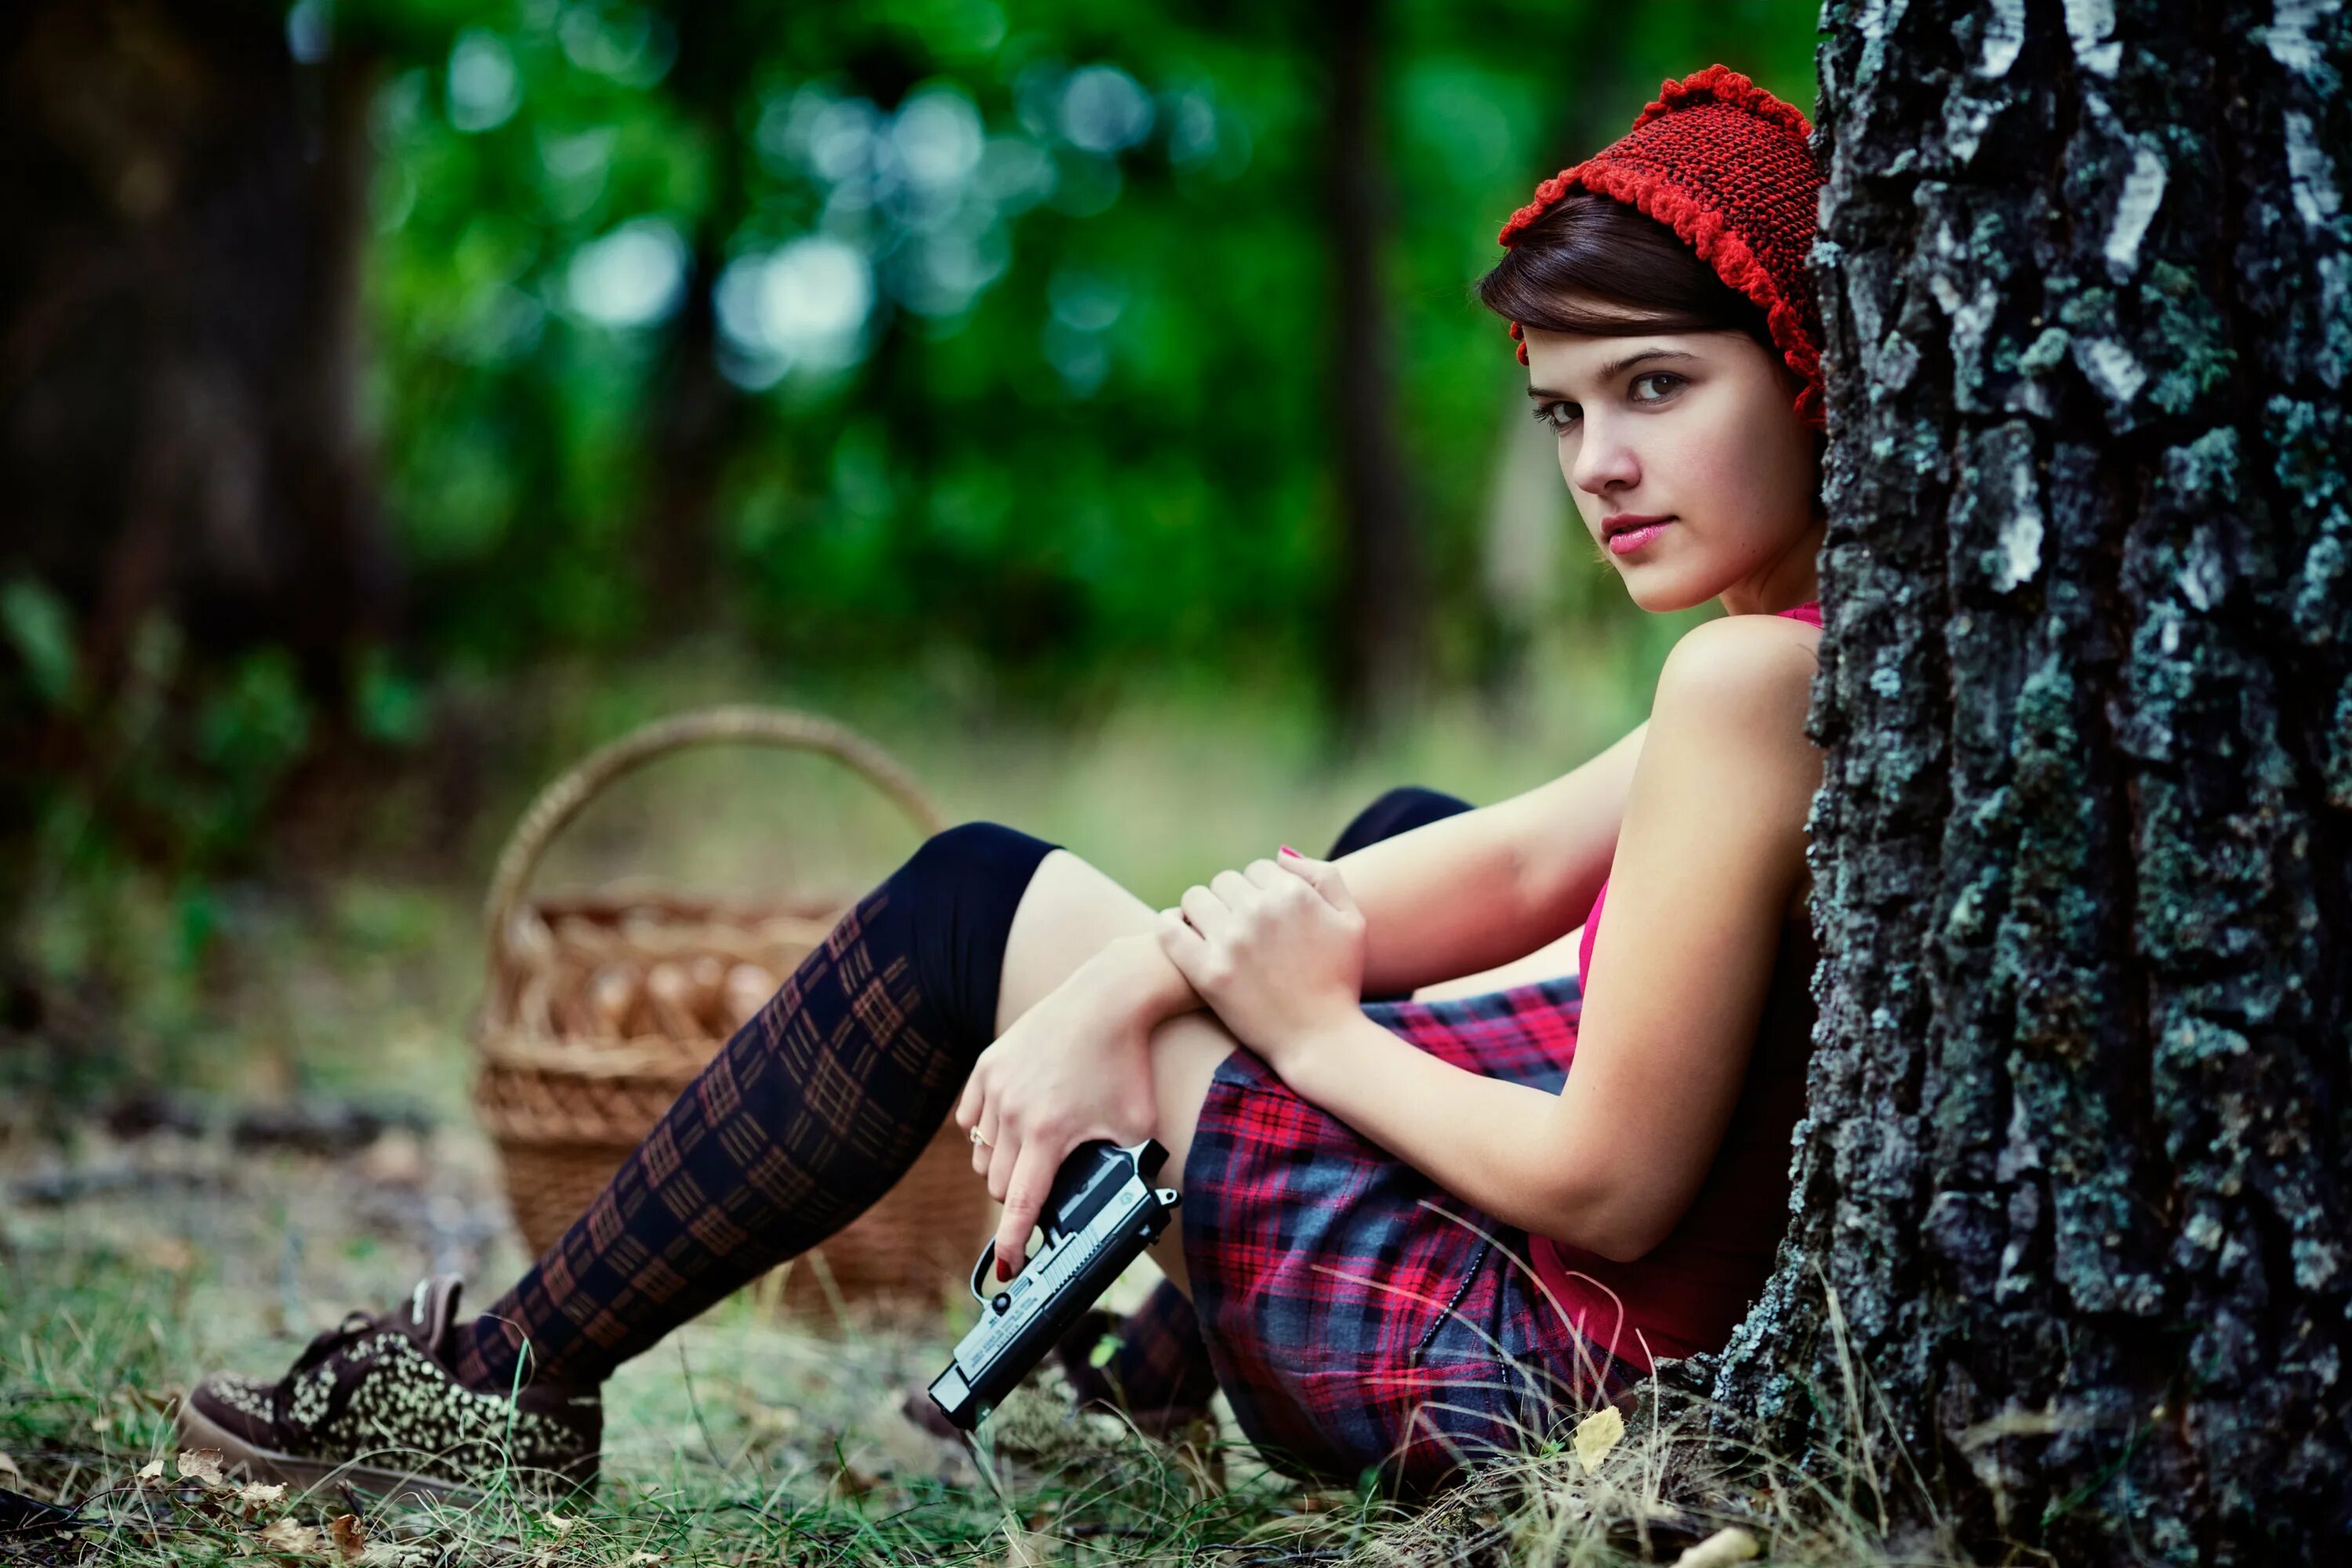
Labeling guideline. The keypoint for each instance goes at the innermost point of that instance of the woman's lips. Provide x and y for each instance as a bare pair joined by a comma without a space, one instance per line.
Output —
1633,539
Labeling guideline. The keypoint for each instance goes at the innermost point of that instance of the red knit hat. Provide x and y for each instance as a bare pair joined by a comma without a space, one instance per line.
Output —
1729,168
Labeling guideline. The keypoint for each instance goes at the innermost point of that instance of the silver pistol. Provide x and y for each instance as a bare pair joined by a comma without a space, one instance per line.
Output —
1102,1211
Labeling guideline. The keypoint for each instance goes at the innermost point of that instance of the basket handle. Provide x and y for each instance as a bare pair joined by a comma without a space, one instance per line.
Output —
783,728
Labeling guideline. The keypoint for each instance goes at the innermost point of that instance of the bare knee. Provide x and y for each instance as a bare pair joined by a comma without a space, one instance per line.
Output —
1069,911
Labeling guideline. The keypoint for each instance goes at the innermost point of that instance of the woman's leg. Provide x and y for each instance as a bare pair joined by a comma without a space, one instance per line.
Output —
819,1104
807,1115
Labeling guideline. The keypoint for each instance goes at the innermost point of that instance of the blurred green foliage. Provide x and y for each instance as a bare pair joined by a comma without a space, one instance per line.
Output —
1024,313
966,355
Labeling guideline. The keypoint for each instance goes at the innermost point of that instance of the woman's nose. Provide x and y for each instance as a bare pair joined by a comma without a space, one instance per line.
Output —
1605,462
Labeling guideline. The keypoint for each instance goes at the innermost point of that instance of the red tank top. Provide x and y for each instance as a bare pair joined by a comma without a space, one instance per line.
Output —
1686,1294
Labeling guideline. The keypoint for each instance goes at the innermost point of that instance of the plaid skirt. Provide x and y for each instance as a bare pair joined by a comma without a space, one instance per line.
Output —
1358,1316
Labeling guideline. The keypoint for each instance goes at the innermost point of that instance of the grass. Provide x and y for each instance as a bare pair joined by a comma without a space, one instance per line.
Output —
744,1438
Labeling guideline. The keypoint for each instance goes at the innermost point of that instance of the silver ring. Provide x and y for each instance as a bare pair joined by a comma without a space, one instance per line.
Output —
979,1140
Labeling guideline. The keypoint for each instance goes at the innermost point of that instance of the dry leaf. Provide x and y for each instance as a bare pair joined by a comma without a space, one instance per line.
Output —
1596,1434
1729,1545
254,1494
153,1471
8,1467
559,1523
349,1536
650,1558
286,1535
202,1465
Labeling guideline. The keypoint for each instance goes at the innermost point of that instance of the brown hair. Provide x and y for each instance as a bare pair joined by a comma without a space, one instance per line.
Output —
1594,247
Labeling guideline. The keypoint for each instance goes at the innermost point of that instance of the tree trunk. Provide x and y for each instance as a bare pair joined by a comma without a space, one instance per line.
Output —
181,337
1377,634
182,329
699,414
2069,1241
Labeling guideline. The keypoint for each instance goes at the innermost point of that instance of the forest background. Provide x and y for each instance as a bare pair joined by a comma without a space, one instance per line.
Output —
400,396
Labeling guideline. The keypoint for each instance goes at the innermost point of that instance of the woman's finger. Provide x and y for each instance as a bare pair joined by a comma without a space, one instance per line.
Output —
1207,912
1004,1156
1325,878
970,1107
1180,943
1267,876
1024,1200
1176,932
983,1145
967,1103
1238,891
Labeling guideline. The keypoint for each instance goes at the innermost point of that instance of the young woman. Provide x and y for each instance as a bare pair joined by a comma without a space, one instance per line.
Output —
1412,1234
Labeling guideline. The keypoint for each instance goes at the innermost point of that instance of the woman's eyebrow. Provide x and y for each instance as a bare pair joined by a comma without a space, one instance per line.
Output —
1617,367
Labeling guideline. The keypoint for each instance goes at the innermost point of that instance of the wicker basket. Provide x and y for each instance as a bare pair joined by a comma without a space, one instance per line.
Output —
602,1006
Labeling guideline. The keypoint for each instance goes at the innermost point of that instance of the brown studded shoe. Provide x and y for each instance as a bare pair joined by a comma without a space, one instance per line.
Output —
372,1401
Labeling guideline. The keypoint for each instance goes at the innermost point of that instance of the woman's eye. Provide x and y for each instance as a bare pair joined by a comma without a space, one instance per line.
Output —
1667,376
1557,415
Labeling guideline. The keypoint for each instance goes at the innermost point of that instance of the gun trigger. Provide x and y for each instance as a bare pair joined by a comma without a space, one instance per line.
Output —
979,1272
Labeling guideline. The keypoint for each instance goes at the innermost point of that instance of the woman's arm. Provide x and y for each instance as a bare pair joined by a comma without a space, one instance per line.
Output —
1476,889
1711,854
1453,897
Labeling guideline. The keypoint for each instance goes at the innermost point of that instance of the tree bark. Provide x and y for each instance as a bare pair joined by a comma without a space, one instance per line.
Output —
2067,1263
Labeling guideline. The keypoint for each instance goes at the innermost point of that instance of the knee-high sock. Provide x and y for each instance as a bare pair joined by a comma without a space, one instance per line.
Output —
1159,1362
812,1111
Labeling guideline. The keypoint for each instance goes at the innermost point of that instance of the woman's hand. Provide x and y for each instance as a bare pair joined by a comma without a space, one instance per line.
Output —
1076,1066
1276,949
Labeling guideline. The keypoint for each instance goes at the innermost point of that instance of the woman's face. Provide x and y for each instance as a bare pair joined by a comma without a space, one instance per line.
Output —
1696,427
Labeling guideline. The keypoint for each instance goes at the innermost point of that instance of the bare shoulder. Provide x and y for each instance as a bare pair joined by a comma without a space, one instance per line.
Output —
1731,706
1757,666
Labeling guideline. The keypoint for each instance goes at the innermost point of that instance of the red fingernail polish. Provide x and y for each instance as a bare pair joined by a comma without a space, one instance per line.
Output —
1002,1273
1286,849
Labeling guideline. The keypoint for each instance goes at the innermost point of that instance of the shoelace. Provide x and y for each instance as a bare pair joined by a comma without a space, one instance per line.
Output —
356,1325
